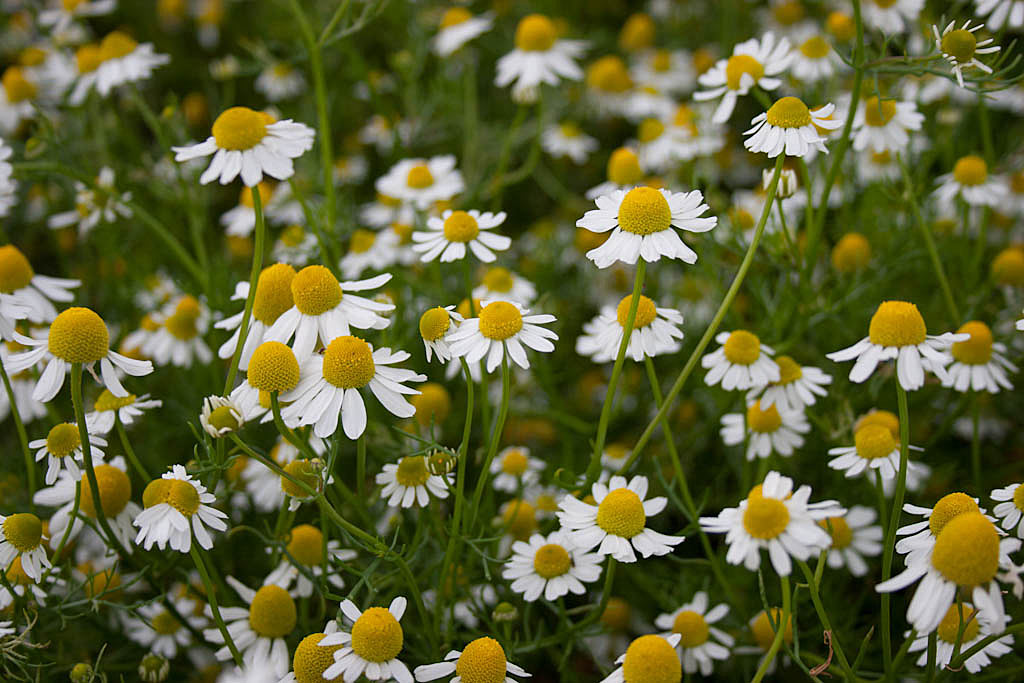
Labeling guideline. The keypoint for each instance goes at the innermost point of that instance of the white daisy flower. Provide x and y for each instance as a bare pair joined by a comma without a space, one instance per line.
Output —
22,386
501,284
742,362
176,506
305,555
567,140
753,62
258,631
641,221
409,483
18,95
854,537
60,15
309,660
125,61
700,643
25,587
1009,13
975,626
62,448
329,386
979,364
502,329
279,207
658,147
21,537
623,172
107,409
790,127
481,661
773,518
221,416
618,522
280,81
458,26
513,467
960,47
1010,507
875,447
921,536
32,291
884,125
670,71
655,331
295,246
814,58
372,646
877,167
647,102
251,144
6,629
552,567
421,182
766,429
370,250
648,658
970,181
436,326
272,299
179,340
91,207
160,631
798,386
449,235
891,16
539,57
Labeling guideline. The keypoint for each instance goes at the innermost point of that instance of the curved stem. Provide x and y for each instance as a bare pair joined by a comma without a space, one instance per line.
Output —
254,277
812,584
780,632
211,597
454,536
19,426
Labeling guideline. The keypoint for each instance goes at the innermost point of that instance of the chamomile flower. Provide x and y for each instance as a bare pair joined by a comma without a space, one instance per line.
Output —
448,236
310,660
421,182
330,383
897,332
370,250
176,506
458,27
891,16
325,308
950,639
18,93
159,630
641,221
1010,507
258,631
700,643
305,550
62,449
514,467
272,299
371,647
115,489
1009,13
773,518
854,537
618,521
551,566
875,447
278,207
753,62
623,172
921,536
221,416
436,326
60,15
798,386
179,339
24,587
970,181
501,284
108,409
502,330
742,362
123,61
33,291
93,207
960,47
657,148
814,59
790,127
295,246
766,430
539,57
567,140
280,81
979,364
481,661
655,331
409,482
22,538
884,125
251,144
651,659
77,335
669,71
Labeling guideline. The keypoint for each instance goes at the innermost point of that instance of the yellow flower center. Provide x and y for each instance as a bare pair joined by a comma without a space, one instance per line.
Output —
514,462
419,177
815,48
292,236
264,189
1018,497
454,16
1017,182
624,167
315,290
960,44
165,624
306,472
644,211
616,615
32,56
692,628
78,335
241,128
520,517
15,270
741,218
661,61
115,45
789,112
874,441
763,632
570,130
63,440
645,311
881,417
182,323
789,370
377,635
179,494
841,25
763,421
500,320
1008,267
460,227
650,659
535,33
103,584
107,401
950,506
273,367
897,323
499,279
970,170
306,545
223,417
650,130
362,241
482,661
637,33
978,349
737,66
949,627
115,491
551,560
610,75
24,531
16,86
621,513
851,253
273,292
967,550
546,502
412,471
432,404
878,112
348,363
765,517
310,660
434,323
272,612
742,348
839,530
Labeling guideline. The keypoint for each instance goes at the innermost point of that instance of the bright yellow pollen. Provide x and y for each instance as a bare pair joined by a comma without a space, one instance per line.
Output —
500,320
180,495
742,348
15,270
315,290
737,66
499,279
272,613
763,632
377,635
765,517
645,311
273,367
970,170
692,628
434,323
1018,497
292,236
24,531
514,462
78,335
240,128
841,25
621,513
624,167
950,506
851,253
182,324
310,660
348,363
789,370
419,177
897,323
305,471
305,544
454,16
878,112
815,48
165,624
17,88
63,440
482,661
116,44
412,471
1008,267
644,211
115,491
883,417
763,421
839,529
273,293
949,627
223,417
520,518
978,349
460,227
960,44
432,404
551,560
535,33
874,441
107,401
650,659
967,550
789,112
650,130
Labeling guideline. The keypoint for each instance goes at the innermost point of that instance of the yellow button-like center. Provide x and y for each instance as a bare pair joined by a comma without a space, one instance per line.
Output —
742,348
165,624
520,517
180,495
621,513
874,441
970,170
535,33
1008,267
839,530
15,270
460,227
78,335
454,16
182,324
765,517
789,370
310,660
841,25
306,545
551,560
264,189
223,417
273,367
362,241
616,615
292,236
763,421
306,472
273,293
739,65
967,550
514,462
63,440
763,631
377,635
960,44
24,531
897,323
624,167
691,627
650,659
107,401
432,404
482,661
315,290
645,311
851,253
610,75
412,471
348,363
978,349
949,627
789,112
115,45
240,128
500,320
638,33
272,613
1018,497
661,61
115,491
434,323
815,48
644,211
650,130
419,177
16,86
949,506
499,279
878,112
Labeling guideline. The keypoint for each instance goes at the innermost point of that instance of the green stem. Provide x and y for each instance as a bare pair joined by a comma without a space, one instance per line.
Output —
454,536
812,584
128,450
780,631
492,448
254,276
932,646
211,597
19,426
894,522
956,663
